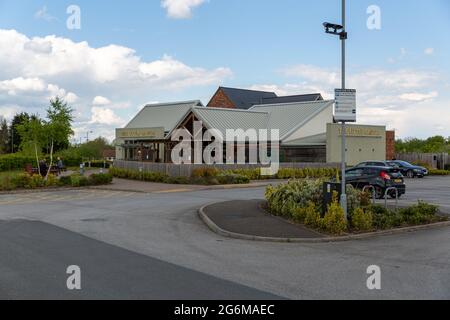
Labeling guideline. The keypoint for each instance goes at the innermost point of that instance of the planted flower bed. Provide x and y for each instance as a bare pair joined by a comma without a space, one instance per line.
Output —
202,176
26,181
301,202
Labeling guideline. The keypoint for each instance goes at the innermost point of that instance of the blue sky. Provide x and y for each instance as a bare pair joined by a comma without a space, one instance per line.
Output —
128,53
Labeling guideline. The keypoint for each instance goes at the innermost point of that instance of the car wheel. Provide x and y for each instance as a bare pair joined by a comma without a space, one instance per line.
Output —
410,174
392,195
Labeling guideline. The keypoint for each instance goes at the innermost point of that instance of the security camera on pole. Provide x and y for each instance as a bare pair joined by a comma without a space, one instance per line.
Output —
345,107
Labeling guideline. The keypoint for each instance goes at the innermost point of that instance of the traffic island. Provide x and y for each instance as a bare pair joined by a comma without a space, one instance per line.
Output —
248,220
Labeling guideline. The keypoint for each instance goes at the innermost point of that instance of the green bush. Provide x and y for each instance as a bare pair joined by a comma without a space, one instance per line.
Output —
312,216
100,179
438,172
232,179
77,180
419,214
362,220
384,218
203,176
285,198
16,161
334,221
65,181
205,172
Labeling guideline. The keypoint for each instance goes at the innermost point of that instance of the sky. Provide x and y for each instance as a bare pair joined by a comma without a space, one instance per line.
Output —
108,59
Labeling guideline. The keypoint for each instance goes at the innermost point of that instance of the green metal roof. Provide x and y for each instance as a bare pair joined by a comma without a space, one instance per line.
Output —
289,117
223,119
166,115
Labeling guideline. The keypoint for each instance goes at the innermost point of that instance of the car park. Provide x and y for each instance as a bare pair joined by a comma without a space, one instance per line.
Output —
409,170
381,178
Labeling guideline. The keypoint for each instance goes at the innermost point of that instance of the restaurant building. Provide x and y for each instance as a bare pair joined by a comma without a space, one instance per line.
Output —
307,130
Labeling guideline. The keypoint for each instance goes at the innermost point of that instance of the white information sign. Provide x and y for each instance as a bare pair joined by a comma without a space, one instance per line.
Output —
345,108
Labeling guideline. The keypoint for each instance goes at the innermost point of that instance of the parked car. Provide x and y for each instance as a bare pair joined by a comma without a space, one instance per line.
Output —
409,170
379,164
380,177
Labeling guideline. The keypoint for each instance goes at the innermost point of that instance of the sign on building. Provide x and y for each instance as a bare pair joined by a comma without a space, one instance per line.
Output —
146,133
345,108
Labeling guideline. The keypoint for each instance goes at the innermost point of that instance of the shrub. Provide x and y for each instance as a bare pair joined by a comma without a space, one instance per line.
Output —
77,180
177,180
16,161
284,198
438,172
65,181
334,221
419,214
233,179
205,172
312,216
384,218
21,181
100,179
362,220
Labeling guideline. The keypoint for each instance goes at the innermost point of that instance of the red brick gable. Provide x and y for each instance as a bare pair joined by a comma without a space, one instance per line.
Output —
220,100
390,145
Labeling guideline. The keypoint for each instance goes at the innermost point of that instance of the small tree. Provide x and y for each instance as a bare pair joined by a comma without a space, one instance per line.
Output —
32,135
58,127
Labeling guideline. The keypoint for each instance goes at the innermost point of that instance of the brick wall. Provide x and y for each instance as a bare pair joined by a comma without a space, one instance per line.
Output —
220,100
390,145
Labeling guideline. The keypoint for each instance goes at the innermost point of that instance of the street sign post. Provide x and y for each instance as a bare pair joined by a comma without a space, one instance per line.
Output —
345,107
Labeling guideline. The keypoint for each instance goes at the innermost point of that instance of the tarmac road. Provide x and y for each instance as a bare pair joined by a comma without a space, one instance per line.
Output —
164,228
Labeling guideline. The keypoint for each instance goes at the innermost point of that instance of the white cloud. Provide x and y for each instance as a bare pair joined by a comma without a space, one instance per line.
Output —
33,70
429,51
101,101
44,14
419,97
396,98
180,9
105,116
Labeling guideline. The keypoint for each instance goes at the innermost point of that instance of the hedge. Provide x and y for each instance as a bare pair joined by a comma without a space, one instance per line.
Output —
26,181
11,162
18,161
202,176
434,172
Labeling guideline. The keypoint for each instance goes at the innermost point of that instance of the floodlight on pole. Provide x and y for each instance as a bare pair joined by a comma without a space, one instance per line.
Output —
340,30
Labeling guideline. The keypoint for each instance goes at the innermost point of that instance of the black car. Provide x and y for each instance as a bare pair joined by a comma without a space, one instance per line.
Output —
409,170
381,178
378,164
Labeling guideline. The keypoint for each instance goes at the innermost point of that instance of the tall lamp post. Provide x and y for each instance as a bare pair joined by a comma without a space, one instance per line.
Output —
87,135
340,31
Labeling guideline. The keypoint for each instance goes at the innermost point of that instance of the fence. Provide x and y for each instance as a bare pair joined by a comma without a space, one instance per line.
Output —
434,160
185,170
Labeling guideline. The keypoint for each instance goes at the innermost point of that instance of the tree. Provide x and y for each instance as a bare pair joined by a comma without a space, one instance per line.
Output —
58,128
4,136
33,137
14,136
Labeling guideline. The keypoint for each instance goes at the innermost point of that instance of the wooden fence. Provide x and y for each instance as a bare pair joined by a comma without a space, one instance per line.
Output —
185,170
434,160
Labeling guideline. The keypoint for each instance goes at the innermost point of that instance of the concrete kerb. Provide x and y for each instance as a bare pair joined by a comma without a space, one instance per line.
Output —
215,228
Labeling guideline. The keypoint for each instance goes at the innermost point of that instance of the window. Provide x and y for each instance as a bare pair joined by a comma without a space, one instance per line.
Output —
354,173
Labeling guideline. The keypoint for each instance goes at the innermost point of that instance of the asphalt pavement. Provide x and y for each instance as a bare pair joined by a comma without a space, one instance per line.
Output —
35,257
166,227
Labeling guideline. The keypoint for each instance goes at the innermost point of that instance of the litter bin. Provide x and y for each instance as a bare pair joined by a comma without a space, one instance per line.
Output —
328,189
